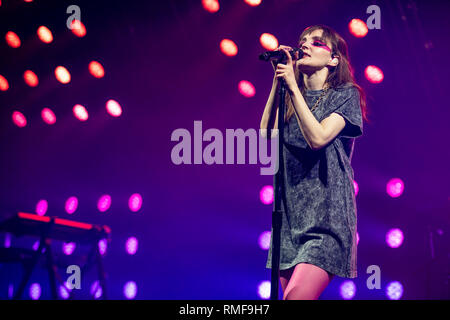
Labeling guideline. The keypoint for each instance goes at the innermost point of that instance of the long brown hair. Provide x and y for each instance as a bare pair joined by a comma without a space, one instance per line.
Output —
340,75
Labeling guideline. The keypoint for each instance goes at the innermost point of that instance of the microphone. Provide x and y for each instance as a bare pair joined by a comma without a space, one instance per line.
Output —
279,55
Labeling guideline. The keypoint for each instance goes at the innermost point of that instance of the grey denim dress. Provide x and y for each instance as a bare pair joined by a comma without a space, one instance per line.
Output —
318,197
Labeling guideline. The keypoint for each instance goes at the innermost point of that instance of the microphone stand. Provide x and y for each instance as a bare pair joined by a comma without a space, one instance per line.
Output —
278,185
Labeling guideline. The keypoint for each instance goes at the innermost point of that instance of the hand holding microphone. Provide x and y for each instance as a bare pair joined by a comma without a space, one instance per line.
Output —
278,55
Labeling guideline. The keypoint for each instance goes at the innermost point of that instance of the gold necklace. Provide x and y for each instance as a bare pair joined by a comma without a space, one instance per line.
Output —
318,100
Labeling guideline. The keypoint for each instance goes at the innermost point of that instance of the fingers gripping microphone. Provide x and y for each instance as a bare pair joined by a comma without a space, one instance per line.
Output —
279,55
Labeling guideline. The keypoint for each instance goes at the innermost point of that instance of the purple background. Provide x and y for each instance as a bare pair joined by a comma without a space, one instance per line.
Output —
199,225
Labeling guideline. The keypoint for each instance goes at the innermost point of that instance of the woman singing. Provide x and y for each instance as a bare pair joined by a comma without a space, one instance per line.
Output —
325,111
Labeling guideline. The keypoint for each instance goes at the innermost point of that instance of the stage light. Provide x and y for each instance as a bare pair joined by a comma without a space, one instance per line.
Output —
71,205
228,47
374,74
48,116
96,69
30,78
348,290
41,207
268,41
394,290
113,108
62,74
35,245
131,246
135,202
357,238
130,290
246,89
395,187
102,246
35,291
264,290
68,248
19,119
266,194
104,203
211,5
356,187
10,291
96,290
253,3
7,243
4,85
358,28
78,28
12,39
394,238
264,240
44,34
80,112
64,292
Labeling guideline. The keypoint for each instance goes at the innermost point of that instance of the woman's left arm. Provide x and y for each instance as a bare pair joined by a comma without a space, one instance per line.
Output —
316,134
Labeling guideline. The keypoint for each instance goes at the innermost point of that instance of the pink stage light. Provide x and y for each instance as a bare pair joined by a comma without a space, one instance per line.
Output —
102,246
48,116
253,3
211,5
80,112
268,41
35,291
130,290
41,207
358,28
264,240
44,34
64,291
374,74
78,28
266,194
113,108
394,238
246,89
131,246
228,47
12,39
264,290
4,85
96,290
71,205
36,245
104,203
96,69
394,290
356,187
348,290
19,119
357,238
135,202
30,78
395,187
62,74
68,248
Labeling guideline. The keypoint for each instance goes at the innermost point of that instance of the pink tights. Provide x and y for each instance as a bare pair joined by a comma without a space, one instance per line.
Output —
304,282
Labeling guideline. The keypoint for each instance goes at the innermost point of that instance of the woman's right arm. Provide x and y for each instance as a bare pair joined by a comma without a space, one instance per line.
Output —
269,119
270,115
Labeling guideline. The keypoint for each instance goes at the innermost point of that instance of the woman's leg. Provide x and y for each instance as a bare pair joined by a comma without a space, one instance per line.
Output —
285,276
307,282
